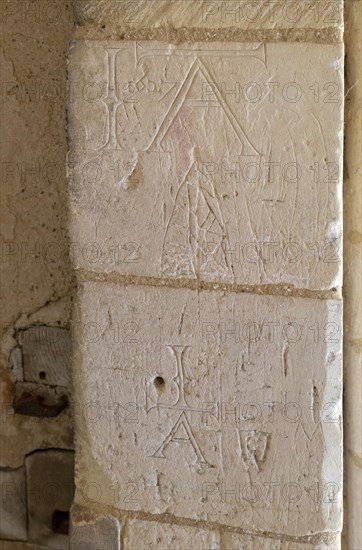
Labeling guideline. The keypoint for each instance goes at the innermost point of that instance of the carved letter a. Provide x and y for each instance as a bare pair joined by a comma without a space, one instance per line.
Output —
182,422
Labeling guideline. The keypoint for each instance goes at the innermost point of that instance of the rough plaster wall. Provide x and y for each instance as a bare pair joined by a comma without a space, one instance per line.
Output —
36,275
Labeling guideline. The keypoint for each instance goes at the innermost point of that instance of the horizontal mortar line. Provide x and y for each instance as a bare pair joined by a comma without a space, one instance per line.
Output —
325,537
211,525
325,35
197,284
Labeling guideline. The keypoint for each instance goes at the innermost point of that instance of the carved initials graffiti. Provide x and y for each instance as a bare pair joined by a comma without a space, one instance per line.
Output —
112,102
181,431
176,435
179,379
180,403
198,68
254,446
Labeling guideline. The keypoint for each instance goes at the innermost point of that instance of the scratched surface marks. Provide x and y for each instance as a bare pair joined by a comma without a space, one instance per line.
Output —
217,161
212,406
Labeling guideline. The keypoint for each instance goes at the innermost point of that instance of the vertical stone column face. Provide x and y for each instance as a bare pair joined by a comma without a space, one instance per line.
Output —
205,199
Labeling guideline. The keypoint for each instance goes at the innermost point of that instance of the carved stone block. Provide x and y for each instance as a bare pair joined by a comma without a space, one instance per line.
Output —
212,161
213,406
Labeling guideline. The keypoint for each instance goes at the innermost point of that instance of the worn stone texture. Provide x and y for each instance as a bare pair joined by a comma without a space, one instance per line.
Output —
142,535
352,280
34,218
211,406
92,531
50,488
8,545
182,165
35,432
40,400
40,364
46,355
209,15
13,520
35,230
231,541
36,275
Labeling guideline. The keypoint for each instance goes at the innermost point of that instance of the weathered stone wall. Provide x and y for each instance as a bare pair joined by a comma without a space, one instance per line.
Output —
205,165
36,274
204,172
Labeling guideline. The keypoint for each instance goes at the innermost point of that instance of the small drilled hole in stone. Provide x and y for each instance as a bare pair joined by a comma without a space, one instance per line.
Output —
159,382
42,375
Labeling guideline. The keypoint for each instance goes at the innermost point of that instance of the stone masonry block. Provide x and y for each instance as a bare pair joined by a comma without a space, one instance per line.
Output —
214,406
147,535
46,355
50,491
93,532
211,161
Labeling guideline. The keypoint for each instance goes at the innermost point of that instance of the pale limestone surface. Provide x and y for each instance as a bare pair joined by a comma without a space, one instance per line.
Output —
212,161
208,15
142,535
145,535
188,398
231,541
37,137
211,406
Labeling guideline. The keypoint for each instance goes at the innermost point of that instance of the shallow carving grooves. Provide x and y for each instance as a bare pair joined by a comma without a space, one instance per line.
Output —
205,174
